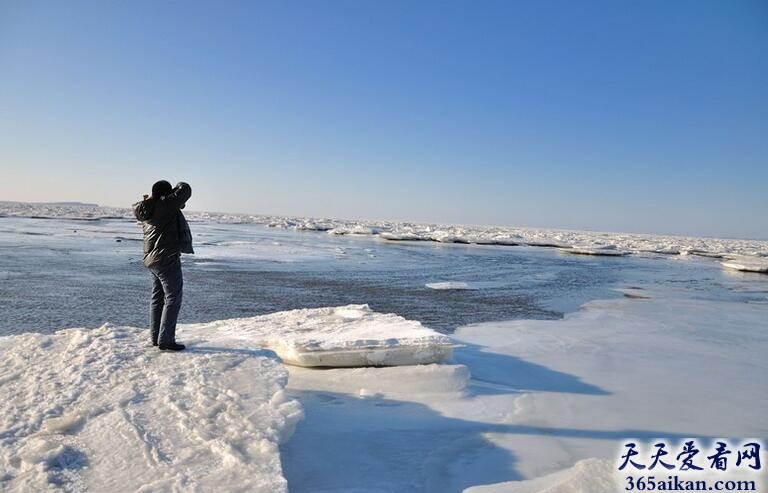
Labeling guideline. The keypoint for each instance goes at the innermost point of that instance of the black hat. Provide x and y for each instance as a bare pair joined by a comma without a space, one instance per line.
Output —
161,188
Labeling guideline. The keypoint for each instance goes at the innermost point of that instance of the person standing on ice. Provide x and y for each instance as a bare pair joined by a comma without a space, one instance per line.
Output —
166,237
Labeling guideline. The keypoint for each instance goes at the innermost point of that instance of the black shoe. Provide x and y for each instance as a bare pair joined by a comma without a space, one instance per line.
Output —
154,343
174,346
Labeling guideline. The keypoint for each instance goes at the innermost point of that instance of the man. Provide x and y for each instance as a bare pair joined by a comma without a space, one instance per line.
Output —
166,237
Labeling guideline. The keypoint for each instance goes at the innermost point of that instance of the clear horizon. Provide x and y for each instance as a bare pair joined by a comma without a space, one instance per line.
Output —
597,116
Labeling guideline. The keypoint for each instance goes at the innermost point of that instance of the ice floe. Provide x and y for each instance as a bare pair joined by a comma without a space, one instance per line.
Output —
346,336
356,229
597,250
449,285
747,264
402,236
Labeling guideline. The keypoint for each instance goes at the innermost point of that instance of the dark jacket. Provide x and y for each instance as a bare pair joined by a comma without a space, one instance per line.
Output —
166,232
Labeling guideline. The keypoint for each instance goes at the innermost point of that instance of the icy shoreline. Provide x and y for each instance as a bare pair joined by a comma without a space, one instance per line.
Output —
525,405
583,242
102,410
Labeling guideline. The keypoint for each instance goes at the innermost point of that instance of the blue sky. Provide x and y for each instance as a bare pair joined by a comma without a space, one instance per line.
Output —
634,116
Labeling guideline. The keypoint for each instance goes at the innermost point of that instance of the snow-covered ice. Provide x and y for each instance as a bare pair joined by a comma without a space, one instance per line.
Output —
629,368
598,250
522,406
101,410
536,406
356,229
747,264
346,336
402,236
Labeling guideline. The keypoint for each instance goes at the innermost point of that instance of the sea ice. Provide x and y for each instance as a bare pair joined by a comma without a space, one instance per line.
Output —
345,336
259,250
617,370
747,264
403,236
447,285
357,229
102,410
494,235
536,405
499,239
599,250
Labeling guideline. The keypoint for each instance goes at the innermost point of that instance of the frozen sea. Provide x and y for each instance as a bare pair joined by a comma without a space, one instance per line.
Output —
61,273
559,359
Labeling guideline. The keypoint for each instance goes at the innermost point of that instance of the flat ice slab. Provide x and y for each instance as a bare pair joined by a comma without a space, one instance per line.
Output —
747,264
448,285
344,336
102,410
599,250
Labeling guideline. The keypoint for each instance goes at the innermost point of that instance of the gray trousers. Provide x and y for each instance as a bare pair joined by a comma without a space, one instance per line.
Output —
167,283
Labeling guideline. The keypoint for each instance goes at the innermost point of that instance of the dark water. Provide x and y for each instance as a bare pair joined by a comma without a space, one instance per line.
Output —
56,274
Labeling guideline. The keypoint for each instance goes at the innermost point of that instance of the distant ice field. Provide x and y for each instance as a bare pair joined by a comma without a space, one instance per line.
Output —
66,272
583,345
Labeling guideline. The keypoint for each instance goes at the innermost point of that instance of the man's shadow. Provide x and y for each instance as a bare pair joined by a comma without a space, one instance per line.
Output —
494,373
349,443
